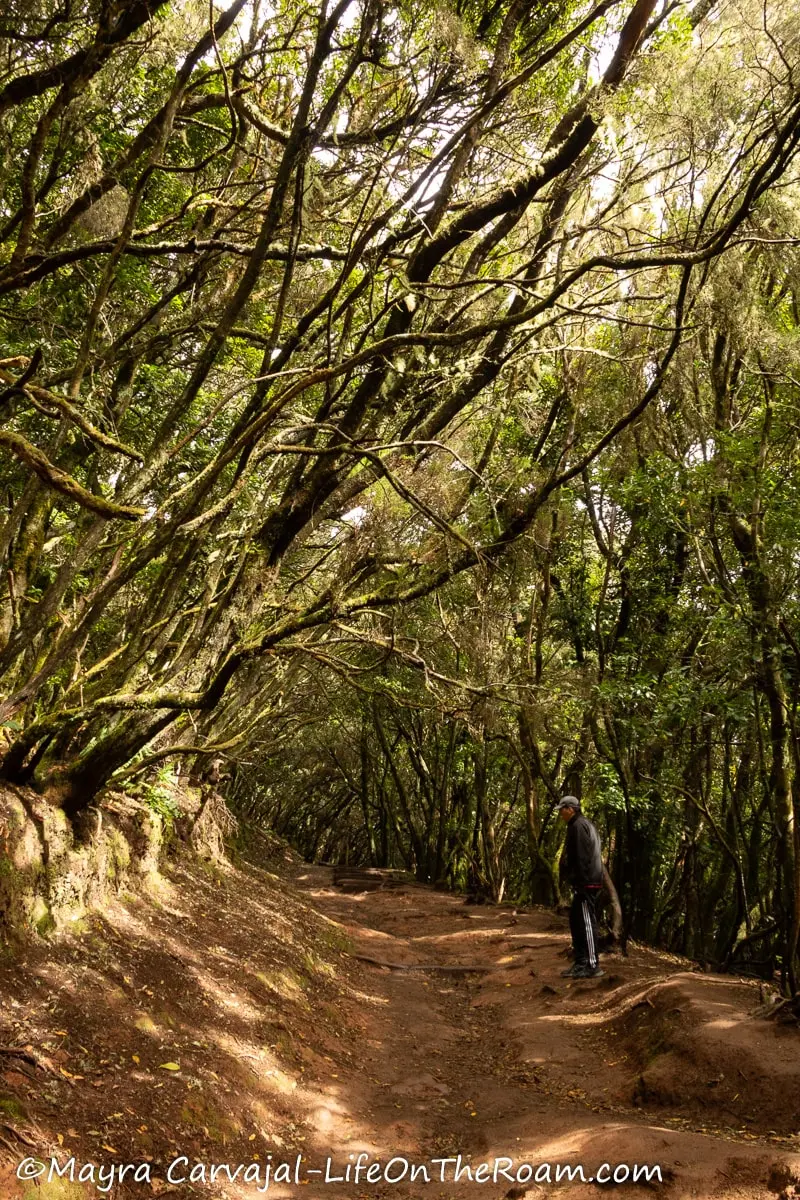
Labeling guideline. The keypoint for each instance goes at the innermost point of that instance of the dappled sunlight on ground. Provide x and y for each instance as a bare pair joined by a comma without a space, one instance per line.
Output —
186,1015
223,1019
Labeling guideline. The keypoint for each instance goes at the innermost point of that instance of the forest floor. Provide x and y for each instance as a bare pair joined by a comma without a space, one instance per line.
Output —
225,1019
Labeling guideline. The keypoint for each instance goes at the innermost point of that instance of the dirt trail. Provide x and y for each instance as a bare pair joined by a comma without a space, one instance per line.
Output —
232,1019
519,1062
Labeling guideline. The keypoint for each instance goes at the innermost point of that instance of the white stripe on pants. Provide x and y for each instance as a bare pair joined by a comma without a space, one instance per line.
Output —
589,936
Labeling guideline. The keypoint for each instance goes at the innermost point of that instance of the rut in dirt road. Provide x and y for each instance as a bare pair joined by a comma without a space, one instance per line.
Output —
451,1066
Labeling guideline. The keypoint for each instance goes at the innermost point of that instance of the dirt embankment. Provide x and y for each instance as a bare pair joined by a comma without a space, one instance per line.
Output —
240,1014
49,877
53,871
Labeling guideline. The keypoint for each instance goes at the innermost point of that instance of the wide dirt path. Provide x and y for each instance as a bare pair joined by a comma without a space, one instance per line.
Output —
518,1062
244,1016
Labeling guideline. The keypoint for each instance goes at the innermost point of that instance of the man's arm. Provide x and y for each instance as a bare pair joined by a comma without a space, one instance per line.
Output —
588,853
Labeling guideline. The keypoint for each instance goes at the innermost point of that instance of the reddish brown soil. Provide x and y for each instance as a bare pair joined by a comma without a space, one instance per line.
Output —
287,1044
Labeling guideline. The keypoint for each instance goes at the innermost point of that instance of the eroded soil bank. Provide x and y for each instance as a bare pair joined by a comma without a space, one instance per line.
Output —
233,1016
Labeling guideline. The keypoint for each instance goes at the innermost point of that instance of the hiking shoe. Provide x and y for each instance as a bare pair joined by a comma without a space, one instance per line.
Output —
572,971
586,972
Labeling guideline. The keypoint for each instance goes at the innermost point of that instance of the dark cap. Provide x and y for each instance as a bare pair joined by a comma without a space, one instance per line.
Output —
569,802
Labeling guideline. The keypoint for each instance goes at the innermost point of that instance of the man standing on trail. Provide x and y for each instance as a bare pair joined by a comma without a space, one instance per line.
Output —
585,872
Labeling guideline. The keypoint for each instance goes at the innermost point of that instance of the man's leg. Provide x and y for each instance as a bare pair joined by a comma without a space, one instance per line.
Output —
577,926
588,899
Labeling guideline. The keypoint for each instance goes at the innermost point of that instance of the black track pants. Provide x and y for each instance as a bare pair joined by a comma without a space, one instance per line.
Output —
583,926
